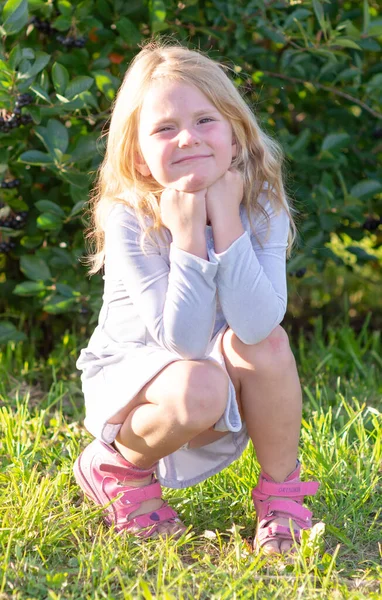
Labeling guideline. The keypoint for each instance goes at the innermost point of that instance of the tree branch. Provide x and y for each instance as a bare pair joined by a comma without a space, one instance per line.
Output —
373,112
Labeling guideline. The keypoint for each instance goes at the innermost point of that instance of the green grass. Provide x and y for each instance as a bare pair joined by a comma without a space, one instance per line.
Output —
55,546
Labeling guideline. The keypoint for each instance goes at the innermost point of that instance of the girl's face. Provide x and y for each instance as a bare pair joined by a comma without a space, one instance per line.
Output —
185,142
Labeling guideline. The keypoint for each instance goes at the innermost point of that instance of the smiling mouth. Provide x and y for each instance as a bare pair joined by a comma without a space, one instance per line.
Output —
191,158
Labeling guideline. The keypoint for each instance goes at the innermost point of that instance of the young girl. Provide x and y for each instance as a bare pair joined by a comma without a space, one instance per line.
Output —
188,361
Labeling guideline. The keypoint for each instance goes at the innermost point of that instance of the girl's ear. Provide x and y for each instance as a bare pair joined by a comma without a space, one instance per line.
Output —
141,166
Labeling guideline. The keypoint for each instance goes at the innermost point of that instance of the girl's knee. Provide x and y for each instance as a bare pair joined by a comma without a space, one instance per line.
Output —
200,397
271,354
274,353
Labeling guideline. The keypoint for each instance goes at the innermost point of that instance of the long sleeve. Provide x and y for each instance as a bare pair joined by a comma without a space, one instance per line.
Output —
176,301
251,279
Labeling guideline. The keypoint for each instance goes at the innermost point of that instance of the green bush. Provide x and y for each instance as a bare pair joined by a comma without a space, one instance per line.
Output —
310,69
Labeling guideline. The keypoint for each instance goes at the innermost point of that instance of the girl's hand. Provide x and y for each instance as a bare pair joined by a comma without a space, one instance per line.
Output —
223,197
185,215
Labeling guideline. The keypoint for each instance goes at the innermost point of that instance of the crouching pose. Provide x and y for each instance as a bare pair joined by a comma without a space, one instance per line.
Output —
188,361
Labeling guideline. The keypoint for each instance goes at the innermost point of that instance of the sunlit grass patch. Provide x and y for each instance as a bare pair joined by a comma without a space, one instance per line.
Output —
55,545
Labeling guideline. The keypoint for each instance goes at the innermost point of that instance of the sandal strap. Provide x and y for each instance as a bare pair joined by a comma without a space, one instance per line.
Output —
131,499
293,489
284,508
286,502
140,494
148,523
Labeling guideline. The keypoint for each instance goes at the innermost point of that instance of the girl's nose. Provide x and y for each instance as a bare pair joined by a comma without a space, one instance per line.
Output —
187,137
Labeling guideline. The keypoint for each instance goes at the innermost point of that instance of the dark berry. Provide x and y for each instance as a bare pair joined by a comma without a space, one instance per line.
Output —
25,119
371,224
43,26
301,272
6,246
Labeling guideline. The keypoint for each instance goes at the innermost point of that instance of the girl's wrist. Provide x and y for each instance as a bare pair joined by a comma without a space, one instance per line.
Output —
191,242
226,231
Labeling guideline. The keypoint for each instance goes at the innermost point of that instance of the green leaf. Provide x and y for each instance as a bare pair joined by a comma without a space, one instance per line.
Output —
361,254
65,8
41,60
67,291
275,36
9,333
77,208
28,53
85,149
32,241
128,31
335,140
89,100
78,85
347,74
58,135
35,157
366,189
106,83
15,56
319,11
60,78
366,16
375,28
61,259
29,288
345,43
301,141
80,180
49,221
15,16
35,113
50,207
39,91
297,15
59,304
70,105
54,136
157,10
34,268
62,23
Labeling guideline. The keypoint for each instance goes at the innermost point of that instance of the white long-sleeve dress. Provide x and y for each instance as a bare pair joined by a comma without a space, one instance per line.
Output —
171,305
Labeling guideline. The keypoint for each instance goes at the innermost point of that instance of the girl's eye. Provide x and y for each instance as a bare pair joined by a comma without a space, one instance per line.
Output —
163,129
206,120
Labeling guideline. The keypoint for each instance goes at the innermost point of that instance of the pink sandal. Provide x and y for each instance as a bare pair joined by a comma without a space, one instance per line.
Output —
289,496
103,474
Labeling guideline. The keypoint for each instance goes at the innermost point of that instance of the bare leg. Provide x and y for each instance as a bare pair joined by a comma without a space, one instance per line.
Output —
266,379
182,401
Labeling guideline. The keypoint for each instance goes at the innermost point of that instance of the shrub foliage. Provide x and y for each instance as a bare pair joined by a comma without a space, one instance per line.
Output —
310,69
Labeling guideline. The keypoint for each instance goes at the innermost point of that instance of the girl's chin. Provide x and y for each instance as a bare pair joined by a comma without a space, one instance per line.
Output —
191,184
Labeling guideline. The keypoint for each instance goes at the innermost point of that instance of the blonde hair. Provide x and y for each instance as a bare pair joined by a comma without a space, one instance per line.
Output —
259,158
